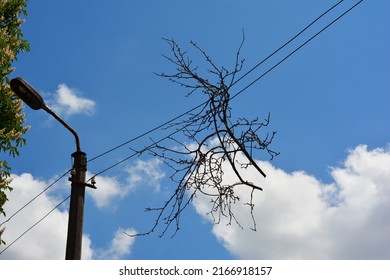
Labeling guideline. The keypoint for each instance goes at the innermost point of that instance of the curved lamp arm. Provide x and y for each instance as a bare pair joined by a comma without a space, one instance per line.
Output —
35,101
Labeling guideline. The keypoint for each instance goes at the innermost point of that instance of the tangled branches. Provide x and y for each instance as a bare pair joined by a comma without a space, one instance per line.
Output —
214,145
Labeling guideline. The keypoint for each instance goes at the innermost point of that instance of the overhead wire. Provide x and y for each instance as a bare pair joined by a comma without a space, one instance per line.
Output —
189,111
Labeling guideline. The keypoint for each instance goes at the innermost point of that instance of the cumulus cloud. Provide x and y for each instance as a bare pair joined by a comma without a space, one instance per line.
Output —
300,217
68,101
47,240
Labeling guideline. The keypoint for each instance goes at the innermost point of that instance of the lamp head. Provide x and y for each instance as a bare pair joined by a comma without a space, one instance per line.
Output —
27,93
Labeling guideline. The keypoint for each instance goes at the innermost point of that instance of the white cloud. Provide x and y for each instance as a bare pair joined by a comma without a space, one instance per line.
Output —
68,101
120,245
299,217
47,240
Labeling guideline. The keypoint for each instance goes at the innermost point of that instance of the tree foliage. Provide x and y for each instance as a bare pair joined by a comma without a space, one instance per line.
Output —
209,144
12,118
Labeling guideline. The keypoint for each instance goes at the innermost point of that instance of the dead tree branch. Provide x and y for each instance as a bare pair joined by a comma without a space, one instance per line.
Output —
212,141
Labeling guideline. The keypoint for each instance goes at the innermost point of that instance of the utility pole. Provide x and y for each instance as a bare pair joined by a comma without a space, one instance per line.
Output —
76,209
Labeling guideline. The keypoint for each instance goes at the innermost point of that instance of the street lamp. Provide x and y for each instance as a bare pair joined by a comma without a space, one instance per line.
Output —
76,210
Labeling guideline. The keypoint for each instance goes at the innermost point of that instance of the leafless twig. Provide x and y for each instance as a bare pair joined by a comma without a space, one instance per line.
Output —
212,139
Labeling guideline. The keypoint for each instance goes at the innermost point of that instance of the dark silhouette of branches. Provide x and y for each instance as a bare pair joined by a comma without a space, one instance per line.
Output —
213,145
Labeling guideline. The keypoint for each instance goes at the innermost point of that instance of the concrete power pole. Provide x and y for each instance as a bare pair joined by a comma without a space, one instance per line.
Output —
76,209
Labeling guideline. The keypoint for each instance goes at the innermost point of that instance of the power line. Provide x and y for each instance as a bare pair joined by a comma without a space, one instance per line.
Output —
243,76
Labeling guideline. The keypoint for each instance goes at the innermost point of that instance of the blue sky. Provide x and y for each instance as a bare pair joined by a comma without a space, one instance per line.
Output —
326,195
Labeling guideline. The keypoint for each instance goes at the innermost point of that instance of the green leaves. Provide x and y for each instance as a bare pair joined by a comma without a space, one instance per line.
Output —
12,118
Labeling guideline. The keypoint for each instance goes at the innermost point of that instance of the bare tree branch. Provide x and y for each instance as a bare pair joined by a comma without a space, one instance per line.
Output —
212,141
